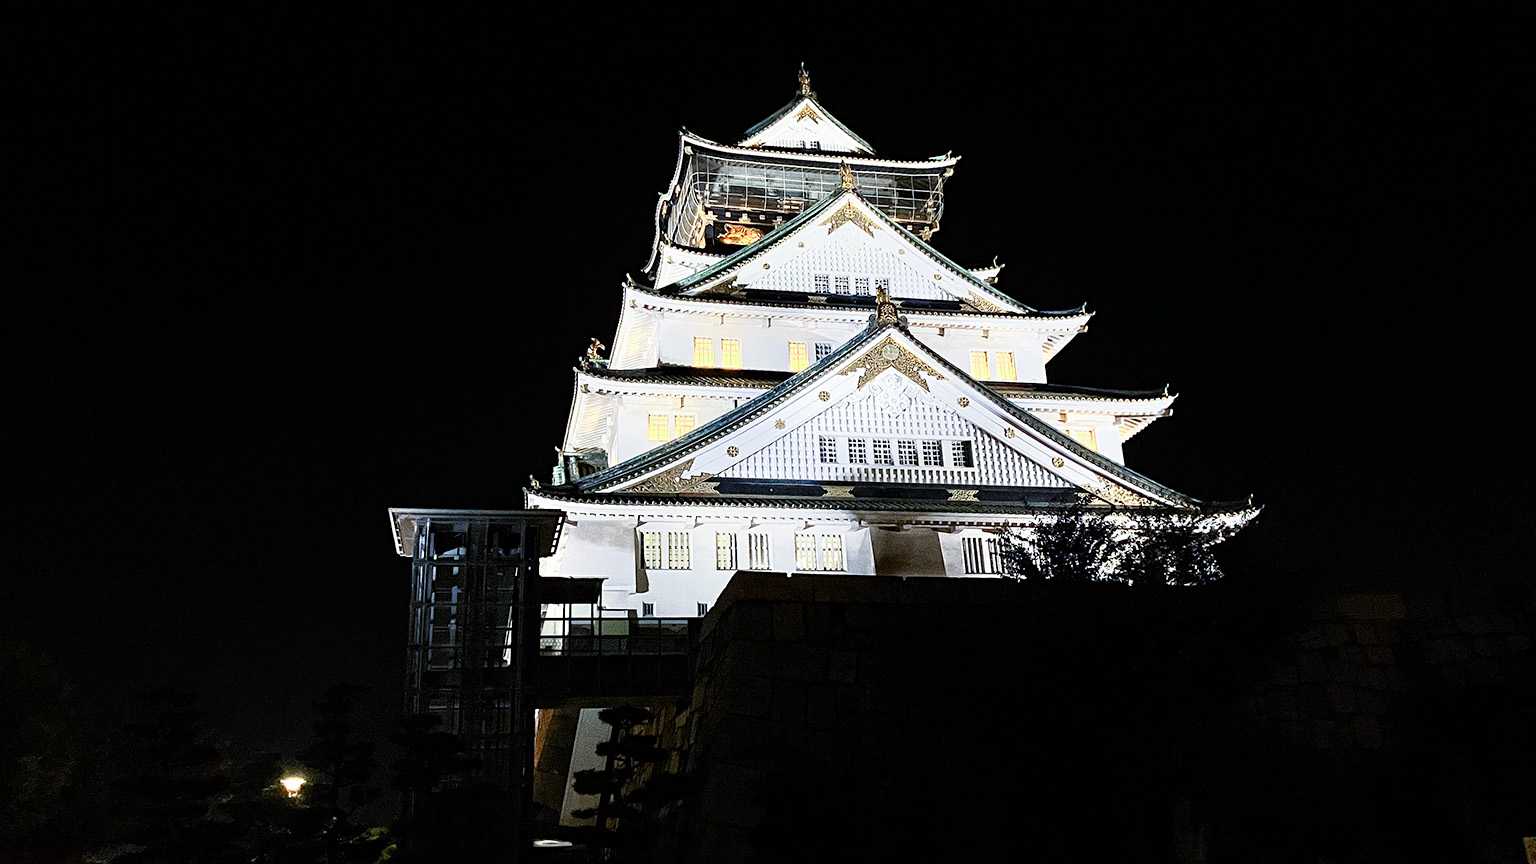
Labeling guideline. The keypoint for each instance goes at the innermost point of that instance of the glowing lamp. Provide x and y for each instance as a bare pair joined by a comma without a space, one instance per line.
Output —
292,785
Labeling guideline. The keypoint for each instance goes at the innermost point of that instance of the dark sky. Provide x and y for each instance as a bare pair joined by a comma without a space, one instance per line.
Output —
280,275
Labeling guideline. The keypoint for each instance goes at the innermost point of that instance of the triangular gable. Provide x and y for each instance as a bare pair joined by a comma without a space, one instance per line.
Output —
804,124
890,384
845,236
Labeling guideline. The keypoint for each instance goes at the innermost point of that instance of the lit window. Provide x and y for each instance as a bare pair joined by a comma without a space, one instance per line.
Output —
841,283
979,365
861,285
730,353
757,551
827,448
658,427
648,609
857,452
822,350
703,352
725,551
823,283
797,361
1085,438
665,550
831,552
980,554
960,454
682,424
1005,369
906,452
652,545
677,550
933,454
883,453
805,551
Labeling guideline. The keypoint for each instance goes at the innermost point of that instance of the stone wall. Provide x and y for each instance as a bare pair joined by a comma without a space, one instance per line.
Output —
838,716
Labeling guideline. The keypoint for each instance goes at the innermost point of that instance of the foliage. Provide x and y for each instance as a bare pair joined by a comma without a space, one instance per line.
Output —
1142,547
622,797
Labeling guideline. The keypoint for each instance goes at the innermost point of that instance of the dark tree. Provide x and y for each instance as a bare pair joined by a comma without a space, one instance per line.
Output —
623,803
341,767
179,776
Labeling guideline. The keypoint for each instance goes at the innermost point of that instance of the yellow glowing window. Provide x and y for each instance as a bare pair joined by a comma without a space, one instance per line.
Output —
979,365
805,551
682,424
1085,438
658,427
730,353
797,357
725,551
831,552
703,353
1005,369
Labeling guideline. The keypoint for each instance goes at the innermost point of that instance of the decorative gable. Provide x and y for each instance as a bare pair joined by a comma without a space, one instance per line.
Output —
805,125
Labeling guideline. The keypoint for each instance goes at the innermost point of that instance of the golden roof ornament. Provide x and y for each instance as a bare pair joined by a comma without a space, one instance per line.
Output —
845,174
805,82
885,310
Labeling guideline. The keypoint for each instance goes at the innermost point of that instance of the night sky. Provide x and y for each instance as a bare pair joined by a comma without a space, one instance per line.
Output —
278,276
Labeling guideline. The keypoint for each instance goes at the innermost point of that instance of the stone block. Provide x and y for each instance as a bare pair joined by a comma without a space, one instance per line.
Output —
1311,667
1446,650
731,795
1342,698
1365,634
1483,672
1373,702
750,619
789,622
1285,674
1368,732
1441,627
842,666
1517,644
1332,734
1488,646
1501,624
821,707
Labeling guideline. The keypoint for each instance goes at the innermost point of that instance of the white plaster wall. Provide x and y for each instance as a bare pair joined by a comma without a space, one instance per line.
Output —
956,345
631,436
764,341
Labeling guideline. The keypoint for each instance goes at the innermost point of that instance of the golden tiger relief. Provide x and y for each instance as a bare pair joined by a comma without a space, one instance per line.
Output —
740,235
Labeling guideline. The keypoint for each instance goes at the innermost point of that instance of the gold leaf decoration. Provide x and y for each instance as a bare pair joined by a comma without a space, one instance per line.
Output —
1058,461
889,355
963,401
726,287
849,213
806,112
733,451
836,491
1118,495
962,494
983,304
778,424
672,481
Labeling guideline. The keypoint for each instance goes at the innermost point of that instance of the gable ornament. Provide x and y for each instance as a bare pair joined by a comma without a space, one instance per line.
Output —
889,355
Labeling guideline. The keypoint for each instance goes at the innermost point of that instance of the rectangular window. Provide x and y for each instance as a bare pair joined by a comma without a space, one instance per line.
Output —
651,543
703,609
648,610
857,451
658,427
832,552
883,282
797,361
823,283
725,551
906,452
981,555
1085,438
827,448
960,454
730,353
933,454
841,283
682,424
703,352
979,367
883,453
861,285
1005,368
677,550
805,551
822,350
757,551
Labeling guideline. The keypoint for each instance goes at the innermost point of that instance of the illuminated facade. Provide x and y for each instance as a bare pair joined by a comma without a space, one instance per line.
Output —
801,382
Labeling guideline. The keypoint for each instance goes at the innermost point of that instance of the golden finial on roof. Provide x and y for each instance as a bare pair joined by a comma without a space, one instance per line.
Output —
805,82
845,173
